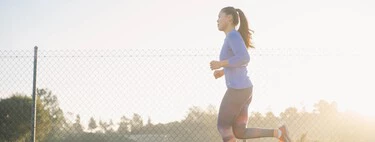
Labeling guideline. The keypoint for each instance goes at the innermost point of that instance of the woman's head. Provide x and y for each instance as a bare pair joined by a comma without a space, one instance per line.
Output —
229,18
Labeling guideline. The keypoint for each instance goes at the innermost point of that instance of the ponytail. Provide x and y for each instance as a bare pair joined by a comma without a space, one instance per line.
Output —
244,29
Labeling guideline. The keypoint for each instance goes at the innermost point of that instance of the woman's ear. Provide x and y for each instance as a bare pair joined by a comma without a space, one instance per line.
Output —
229,18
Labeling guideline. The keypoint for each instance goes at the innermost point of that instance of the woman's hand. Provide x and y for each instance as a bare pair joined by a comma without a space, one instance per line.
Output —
215,65
218,73
218,64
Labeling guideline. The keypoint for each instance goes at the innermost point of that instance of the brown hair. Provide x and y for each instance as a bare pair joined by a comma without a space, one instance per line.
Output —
244,26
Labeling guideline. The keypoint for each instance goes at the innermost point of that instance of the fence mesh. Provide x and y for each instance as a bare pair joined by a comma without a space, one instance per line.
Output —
161,95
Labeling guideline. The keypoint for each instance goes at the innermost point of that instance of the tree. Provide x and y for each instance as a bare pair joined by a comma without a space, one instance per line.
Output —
92,124
271,120
77,127
110,127
124,125
211,109
58,122
104,126
256,116
325,107
149,123
136,123
15,118
194,114
290,113
199,125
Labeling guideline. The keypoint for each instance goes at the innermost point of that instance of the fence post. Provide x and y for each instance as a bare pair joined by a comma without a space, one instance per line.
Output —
33,108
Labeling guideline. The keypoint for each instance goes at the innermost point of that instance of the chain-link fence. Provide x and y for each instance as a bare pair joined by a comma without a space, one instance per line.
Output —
165,95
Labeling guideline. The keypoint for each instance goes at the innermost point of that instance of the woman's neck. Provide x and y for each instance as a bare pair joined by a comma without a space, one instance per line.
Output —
227,30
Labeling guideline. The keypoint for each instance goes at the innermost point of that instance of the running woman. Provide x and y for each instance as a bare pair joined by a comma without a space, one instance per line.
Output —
234,58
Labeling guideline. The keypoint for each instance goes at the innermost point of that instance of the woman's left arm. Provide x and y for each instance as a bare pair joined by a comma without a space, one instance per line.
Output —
241,56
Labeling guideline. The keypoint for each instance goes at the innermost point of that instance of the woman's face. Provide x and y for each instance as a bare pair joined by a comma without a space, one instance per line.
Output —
223,21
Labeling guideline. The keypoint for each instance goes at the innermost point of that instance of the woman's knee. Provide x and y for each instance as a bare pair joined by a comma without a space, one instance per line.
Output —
239,132
226,134
225,131
229,139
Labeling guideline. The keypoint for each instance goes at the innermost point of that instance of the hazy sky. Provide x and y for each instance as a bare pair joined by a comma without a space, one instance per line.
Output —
345,26
81,24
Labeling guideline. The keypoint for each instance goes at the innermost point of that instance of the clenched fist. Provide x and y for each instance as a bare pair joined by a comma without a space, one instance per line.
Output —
218,73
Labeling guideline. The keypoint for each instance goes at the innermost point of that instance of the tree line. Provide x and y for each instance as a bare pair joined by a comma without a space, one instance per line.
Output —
325,123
